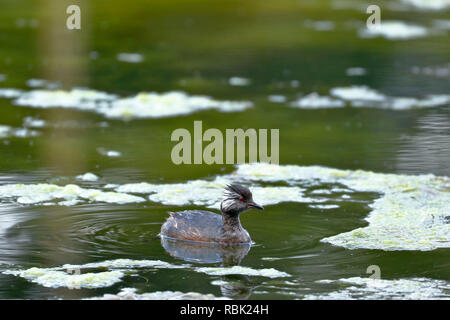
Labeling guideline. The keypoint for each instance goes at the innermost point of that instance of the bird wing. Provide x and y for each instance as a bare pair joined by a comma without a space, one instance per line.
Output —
193,225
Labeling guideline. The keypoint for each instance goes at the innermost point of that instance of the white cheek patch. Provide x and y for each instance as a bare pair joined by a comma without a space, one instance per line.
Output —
227,203
229,199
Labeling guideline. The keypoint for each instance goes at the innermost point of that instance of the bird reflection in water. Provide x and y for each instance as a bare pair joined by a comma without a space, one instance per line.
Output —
206,237
234,286
198,252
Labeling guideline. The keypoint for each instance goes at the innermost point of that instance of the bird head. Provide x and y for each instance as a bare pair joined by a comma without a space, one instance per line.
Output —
237,199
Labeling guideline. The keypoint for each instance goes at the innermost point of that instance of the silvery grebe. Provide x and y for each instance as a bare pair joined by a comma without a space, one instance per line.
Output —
206,226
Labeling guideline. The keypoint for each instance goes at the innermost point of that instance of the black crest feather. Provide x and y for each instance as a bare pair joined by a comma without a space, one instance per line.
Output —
239,190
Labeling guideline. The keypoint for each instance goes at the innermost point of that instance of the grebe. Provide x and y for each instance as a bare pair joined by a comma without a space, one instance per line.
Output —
207,226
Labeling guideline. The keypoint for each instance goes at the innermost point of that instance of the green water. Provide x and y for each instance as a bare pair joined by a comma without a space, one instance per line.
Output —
196,46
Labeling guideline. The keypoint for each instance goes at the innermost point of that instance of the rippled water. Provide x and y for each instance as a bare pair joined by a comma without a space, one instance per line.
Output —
270,54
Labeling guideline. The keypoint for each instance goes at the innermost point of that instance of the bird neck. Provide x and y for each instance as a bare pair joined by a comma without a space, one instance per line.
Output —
231,221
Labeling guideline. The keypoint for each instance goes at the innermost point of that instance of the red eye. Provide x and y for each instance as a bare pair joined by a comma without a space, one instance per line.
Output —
241,199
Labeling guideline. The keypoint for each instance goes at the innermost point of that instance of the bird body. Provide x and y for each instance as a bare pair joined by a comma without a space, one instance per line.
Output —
207,226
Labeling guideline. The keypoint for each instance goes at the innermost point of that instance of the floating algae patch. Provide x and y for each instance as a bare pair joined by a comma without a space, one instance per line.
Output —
357,93
405,103
321,191
412,212
199,192
54,278
72,275
42,83
175,103
8,132
324,206
82,99
314,101
365,97
381,289
277,98
10,93
62,195
239,81
221,271
403,220
109,153
154,105
128,263
30,122
209,193
142,105
130,294
429,4
130,57
394,30
196,192
88,176
355,72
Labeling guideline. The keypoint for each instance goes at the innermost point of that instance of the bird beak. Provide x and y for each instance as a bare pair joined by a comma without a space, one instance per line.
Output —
255,206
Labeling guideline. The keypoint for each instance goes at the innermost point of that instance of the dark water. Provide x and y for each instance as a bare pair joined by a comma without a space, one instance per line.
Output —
196,46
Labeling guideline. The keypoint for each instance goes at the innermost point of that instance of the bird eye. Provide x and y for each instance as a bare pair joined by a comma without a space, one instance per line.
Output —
241,199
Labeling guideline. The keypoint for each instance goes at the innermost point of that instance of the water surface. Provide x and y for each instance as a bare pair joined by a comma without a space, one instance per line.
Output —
195,47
